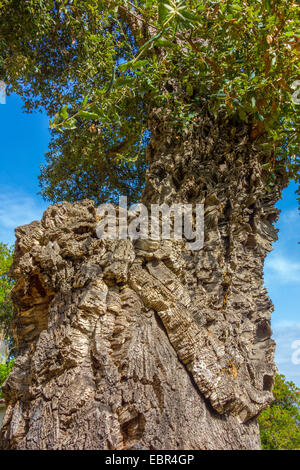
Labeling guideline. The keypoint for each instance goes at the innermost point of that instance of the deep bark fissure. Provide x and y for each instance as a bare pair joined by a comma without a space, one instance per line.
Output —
158,347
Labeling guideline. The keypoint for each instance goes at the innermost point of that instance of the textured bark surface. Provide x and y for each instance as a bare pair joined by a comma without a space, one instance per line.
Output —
2,410
146,345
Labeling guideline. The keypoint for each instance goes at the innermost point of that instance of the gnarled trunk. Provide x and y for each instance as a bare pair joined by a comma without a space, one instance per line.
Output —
146,345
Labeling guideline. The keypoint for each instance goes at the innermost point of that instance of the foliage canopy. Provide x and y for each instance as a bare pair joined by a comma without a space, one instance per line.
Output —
6,282
280,423
100,67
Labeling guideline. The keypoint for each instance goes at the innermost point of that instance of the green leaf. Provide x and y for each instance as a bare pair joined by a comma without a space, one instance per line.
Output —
163,12
70,125
112,81
187,15
243,115
87,115
56,119
266,166
64,113
149,4
124,67
189,89
139,64
85,102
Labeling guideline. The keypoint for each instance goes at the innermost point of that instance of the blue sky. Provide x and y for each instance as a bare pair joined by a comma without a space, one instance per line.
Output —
24,141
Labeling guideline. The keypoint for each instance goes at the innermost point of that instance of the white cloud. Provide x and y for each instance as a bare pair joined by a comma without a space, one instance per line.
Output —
290,216
17,209
282,268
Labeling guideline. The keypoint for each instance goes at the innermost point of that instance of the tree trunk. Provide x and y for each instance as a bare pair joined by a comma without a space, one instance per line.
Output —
146,345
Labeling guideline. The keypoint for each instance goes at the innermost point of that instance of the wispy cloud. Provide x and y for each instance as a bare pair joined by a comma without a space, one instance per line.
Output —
289,229
282,268
290,216
17,209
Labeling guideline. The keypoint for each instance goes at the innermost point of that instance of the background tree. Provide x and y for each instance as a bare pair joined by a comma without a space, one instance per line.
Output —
6,310
150,342
6,283
280,423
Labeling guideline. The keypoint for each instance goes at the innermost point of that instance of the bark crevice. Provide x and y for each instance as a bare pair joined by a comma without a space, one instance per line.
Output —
147,345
